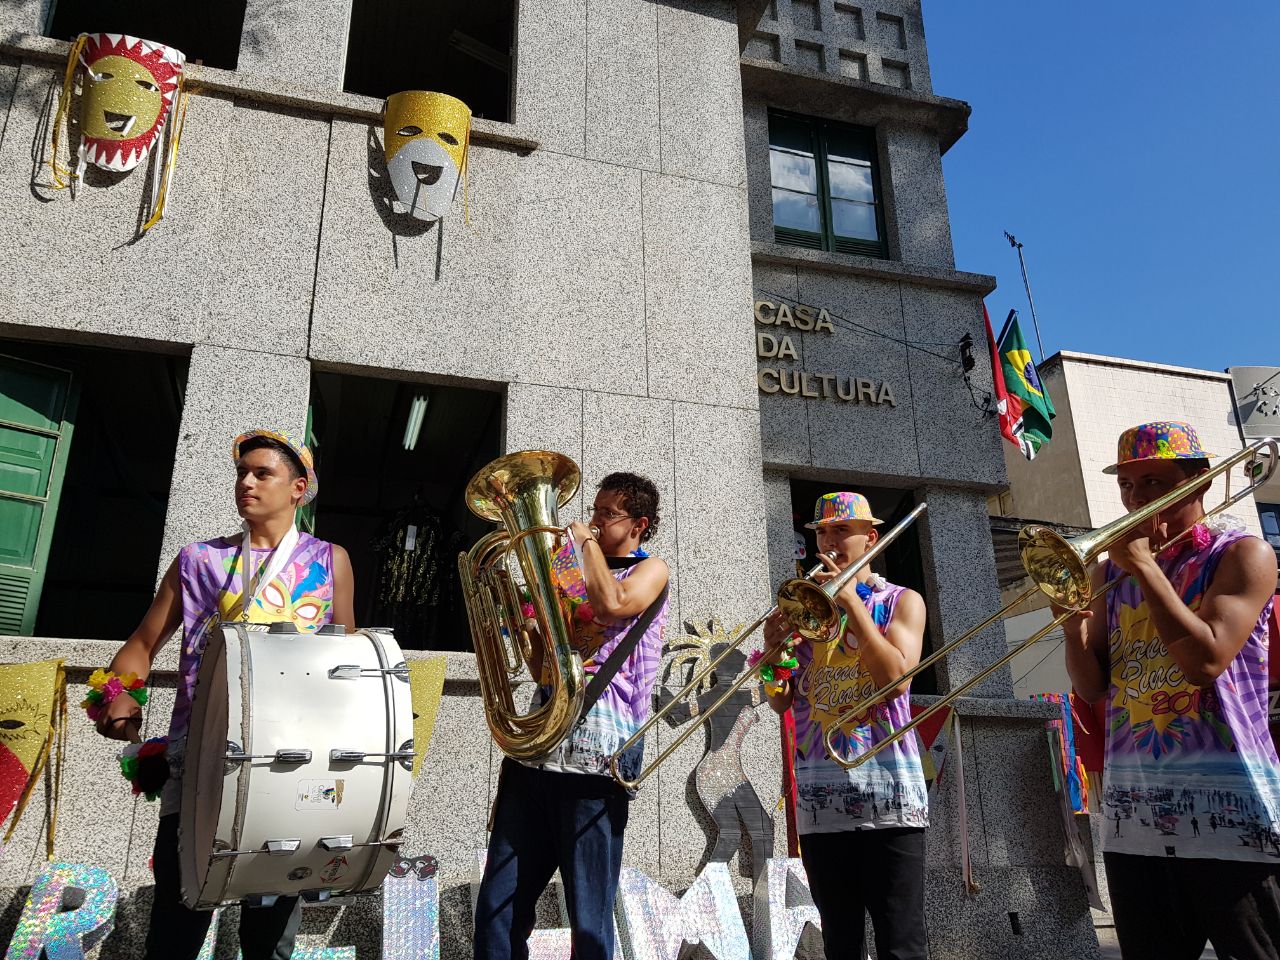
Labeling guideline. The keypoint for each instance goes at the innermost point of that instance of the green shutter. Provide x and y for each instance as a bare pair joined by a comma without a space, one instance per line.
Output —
37,410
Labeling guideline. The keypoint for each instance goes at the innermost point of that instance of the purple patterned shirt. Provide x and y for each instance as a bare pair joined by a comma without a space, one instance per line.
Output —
211,590
1190,771
625,703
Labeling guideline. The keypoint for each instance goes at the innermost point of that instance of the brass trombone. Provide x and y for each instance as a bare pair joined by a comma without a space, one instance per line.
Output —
1058,567
522,491
811,610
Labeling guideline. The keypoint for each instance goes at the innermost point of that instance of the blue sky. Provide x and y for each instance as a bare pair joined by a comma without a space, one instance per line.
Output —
1134,149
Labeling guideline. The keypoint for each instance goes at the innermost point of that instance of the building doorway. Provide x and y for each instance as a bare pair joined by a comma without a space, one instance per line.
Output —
89,438
394,458
901,563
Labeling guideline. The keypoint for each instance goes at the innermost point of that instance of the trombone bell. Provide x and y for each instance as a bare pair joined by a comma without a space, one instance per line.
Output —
1057,565
810,611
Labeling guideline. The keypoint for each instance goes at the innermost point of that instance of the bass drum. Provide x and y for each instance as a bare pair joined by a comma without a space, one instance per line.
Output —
298,764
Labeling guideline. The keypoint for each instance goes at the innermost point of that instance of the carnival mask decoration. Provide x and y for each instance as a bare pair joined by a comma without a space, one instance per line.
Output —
130,100
425,139
32,716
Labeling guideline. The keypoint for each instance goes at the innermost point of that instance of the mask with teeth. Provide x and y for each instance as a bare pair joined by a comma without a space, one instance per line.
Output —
128,93
425,138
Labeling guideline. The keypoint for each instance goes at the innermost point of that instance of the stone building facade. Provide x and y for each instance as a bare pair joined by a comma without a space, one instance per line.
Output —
600,292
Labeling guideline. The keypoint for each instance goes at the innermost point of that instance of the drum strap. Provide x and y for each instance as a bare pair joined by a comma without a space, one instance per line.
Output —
600,681
251,584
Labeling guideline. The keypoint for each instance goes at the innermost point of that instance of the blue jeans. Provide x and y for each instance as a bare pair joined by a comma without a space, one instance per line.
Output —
544,820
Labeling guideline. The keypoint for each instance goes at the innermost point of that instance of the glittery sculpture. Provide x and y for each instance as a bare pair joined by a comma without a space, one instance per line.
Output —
654,924
782,908
425,140
47,929
411,909
721,783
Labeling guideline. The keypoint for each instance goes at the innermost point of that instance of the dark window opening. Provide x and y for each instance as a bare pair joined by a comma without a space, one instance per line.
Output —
901,563
208,32
826,186
460,47
97,515
393,459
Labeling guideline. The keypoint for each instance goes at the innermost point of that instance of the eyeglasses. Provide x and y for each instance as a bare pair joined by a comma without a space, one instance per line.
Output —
608,516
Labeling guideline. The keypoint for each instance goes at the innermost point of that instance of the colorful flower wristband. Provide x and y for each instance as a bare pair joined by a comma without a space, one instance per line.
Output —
105,686
774,673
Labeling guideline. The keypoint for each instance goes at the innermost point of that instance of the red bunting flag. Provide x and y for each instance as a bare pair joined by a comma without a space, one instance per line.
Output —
1008,407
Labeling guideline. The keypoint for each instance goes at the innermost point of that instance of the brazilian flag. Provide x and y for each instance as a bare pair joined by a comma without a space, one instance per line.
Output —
1023,382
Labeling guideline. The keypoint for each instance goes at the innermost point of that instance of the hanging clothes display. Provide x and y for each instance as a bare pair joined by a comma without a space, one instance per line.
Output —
416,587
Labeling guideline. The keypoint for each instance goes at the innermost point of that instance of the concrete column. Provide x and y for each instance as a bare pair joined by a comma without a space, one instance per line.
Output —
961,586
916,210
228,392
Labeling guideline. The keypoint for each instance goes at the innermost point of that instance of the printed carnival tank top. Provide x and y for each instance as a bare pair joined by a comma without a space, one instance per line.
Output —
625,703
210,575
888,790
1190,772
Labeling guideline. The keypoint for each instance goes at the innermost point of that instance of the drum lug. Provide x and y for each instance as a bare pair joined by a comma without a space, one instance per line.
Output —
235,753
407,755
338,844
353,671
282,848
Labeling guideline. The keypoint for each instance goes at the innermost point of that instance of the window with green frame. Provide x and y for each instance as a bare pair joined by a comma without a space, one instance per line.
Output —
826,188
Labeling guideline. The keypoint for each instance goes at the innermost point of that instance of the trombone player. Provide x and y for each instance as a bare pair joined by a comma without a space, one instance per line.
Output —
862,830
1178,650
565,810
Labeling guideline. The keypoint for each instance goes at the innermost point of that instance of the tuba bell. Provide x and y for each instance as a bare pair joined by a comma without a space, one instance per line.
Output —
524,492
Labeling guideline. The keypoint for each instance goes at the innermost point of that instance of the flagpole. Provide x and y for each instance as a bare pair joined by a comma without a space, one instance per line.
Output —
1026,282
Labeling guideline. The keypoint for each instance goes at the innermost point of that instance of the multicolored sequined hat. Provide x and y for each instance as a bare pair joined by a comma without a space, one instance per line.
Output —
298,449
838,507
1160,440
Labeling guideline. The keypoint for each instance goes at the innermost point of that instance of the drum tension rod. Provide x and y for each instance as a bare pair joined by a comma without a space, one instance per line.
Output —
283,848
353,671
272,848
283,755
338,755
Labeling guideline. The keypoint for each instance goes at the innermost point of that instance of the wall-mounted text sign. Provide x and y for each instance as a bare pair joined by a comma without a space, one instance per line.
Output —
776,344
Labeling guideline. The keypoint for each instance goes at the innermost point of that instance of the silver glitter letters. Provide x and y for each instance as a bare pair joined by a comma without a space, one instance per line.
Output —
783,906
65,935
655,924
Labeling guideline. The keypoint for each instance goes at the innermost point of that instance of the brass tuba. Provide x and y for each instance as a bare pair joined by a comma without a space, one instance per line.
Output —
522,491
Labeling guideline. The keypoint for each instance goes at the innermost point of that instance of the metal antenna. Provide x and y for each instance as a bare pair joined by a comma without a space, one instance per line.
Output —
1026,281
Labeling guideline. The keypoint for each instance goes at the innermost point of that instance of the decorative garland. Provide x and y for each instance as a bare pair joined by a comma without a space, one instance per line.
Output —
145,766
105,686
773,674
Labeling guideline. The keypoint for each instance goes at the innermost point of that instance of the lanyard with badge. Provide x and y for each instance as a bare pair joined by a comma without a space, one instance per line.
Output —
267,571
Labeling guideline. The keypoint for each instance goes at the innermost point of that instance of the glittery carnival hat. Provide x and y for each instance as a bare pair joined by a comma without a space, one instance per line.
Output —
1159,440
839,507
300,450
